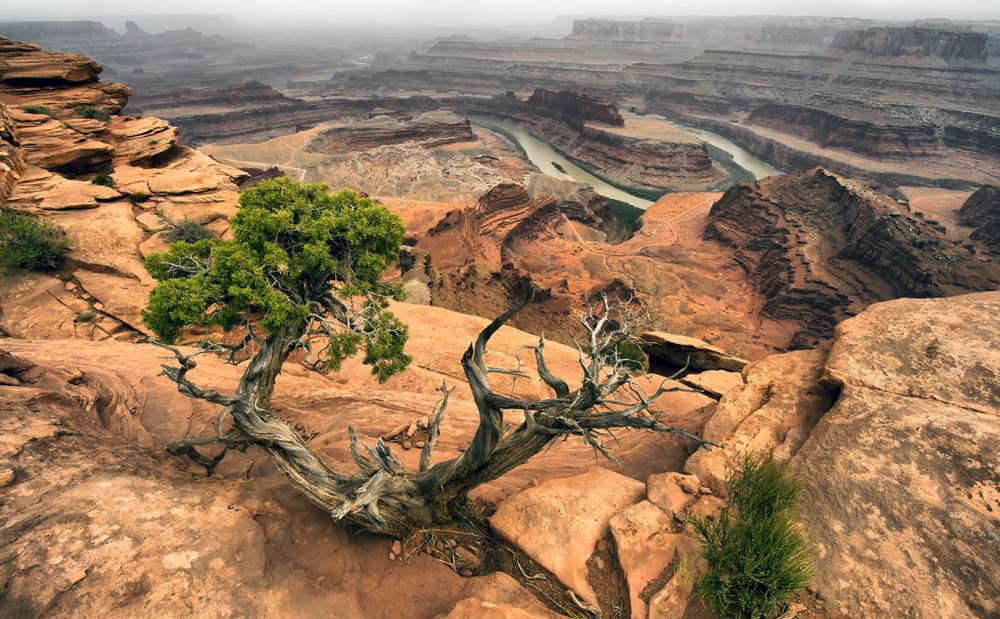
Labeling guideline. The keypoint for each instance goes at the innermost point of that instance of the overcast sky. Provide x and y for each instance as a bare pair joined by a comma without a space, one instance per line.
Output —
493,12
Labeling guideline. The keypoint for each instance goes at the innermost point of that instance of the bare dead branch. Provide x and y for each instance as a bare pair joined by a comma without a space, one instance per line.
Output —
184,384
557,384
188,447
434,429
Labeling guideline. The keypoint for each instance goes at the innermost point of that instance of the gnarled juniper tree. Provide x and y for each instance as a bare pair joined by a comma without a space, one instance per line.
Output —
303,272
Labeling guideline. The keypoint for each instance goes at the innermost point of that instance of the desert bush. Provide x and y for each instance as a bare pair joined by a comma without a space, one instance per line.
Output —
104,179
29,243
189,232
757,554
629,353
137,197
86,316
35,108
90,111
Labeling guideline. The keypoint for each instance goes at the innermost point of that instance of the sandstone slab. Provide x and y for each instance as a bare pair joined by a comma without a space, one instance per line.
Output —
39,188
902,474
646,545
715,383
559,522
673,350
772,414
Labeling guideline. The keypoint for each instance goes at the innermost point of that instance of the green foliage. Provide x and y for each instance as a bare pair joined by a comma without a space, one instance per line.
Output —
622,220
90,111
29,243
189,231
293,244
628,352
757,554
86,316
103,178
36,108
137,197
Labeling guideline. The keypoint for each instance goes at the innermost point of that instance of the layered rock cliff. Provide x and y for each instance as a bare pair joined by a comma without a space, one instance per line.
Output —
429,129
642,164
59,128
913,41
819,248
982,212
873,137
574,108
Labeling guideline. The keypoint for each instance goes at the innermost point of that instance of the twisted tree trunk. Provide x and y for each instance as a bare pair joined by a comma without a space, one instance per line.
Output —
385,498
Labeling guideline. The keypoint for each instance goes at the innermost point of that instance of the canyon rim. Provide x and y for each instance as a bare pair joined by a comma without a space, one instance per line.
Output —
304,315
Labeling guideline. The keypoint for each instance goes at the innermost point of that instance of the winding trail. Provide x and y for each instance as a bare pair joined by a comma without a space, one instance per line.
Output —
293,150
237,162
605,250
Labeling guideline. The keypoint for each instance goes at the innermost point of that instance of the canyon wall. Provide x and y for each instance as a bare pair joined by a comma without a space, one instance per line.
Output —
830,130
429,129
982,212
646,166
51,151
910,41
574,108
819,248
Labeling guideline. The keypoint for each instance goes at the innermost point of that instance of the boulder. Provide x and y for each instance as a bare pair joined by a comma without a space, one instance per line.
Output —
105,238
672,492
903,474
670,350
559,522
138,139
498,596
671,602
40,189
772,414
646,544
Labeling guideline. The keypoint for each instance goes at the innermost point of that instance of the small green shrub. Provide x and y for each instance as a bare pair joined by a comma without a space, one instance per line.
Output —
189,232
36,108
86,316
29,243
628,353
90,111
104,179
138,197
757,554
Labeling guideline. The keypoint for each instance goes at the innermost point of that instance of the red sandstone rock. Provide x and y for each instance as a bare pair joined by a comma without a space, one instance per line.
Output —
559,522
672,492
645,544
772,414
901,474
819,248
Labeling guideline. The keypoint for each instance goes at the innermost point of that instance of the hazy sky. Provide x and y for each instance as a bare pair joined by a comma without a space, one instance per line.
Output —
493,12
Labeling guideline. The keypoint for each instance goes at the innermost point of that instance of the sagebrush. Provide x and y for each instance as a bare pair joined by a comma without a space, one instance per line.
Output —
29,243
189,231
90,111
37,108
104,179
757,554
